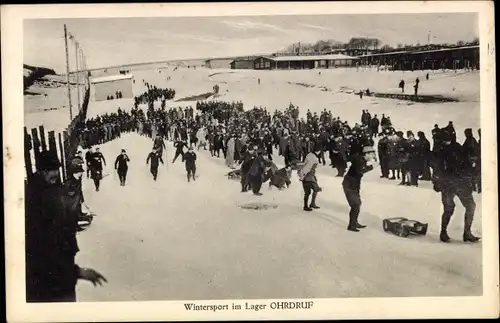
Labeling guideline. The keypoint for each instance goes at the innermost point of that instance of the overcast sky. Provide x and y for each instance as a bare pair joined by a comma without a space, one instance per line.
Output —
115,41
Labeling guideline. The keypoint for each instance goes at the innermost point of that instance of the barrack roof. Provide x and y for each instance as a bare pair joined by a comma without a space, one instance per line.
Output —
312,58
111,78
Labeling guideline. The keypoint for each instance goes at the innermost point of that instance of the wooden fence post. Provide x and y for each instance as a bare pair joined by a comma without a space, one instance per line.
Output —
52,142
41,130
61,149
27,155
36,147
67,148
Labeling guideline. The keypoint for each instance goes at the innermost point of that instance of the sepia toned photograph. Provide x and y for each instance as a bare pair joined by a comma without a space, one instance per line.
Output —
254,162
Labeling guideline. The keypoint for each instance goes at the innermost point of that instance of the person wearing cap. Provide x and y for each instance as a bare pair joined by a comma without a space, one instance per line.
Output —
361,163
155,159
121,166
96,167
471,149
88,160
78,159
307,174
453,177
190,162
451,130
159,144
50,230
383,154
425,147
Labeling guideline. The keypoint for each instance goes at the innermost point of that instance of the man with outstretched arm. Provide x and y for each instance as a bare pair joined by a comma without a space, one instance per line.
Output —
361,163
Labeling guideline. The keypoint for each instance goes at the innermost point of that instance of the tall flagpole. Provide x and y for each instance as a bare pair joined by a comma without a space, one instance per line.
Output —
77,75
67,72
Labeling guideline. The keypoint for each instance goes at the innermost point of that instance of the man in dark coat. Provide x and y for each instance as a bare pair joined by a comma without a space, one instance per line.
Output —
245,168
472,153
179,149
383,155
453,177
425,148
155,158
96,167
190,162
374,124
352,185
254,176
50,227
121,166
159,144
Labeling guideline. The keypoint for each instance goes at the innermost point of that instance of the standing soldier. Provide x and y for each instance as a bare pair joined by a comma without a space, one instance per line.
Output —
121,166
96,167
471,150
360,164
159,144
88,160
425,146
307,174
452,177
155,158
190,161
383,155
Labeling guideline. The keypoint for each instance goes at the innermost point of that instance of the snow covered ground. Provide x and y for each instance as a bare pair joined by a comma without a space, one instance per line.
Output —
174,240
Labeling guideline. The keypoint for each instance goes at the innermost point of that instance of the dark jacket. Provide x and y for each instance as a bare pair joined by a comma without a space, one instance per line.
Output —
179,146
121,162
50,228
97,160
453,170
190,160
258,167
155,159
352,179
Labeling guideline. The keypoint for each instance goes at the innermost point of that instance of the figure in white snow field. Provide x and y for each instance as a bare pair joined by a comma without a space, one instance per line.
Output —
121,166
190,162
202,138
159,144
307,174
179,149
155,158
96,167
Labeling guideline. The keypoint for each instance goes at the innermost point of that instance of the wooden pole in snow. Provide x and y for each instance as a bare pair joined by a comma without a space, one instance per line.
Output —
67,73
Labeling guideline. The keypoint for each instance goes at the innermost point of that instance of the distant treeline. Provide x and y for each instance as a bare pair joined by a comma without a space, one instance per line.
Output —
372,45
35,74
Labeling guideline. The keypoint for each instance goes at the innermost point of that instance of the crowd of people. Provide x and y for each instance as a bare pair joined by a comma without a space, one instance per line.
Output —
153,94
118,95
248,141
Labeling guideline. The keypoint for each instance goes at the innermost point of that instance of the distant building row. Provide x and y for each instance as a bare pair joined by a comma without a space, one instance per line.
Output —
294,62
447,58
